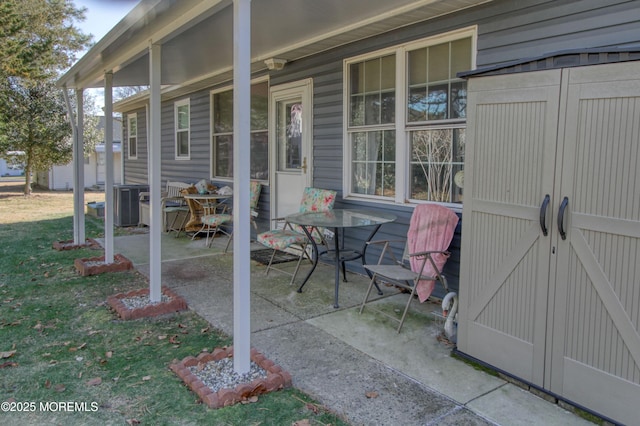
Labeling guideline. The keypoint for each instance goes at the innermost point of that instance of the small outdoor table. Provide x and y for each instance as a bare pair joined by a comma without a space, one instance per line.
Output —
336,220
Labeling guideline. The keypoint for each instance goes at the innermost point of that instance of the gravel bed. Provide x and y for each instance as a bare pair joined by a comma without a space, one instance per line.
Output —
141,301
221,375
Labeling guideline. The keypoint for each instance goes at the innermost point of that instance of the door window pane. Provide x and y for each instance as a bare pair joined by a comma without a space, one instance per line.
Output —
289,134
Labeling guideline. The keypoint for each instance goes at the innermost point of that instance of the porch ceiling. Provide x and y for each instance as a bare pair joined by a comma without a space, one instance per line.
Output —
197,39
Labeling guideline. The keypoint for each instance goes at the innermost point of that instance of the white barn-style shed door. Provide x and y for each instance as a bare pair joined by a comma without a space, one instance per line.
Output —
561,311
509,169
595,339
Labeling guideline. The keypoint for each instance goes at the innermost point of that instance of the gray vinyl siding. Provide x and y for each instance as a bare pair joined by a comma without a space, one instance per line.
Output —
507,31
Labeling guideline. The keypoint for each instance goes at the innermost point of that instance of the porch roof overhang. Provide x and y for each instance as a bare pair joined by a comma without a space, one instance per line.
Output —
197,40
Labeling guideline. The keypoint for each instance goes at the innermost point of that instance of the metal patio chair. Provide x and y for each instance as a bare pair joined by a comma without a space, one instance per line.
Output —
217,220
287,237
430,232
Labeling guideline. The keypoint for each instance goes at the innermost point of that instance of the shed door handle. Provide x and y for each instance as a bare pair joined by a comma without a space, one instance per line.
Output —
563,206
543,215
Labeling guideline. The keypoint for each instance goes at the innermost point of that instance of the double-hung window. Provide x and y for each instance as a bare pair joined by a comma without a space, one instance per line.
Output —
182,128
406,120
222,132
132,135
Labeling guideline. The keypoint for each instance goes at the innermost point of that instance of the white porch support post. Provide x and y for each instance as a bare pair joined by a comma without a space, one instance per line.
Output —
108,184
78,173
241,167
155,259
78,228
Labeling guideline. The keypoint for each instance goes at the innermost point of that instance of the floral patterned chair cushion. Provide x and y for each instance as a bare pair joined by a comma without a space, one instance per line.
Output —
313,200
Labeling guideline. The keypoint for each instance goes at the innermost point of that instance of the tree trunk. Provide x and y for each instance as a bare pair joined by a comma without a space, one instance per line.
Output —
27,175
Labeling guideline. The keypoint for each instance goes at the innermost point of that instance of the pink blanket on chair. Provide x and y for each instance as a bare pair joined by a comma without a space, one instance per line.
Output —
431,228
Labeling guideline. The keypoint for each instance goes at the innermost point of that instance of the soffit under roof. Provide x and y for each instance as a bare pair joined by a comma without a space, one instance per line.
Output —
197,39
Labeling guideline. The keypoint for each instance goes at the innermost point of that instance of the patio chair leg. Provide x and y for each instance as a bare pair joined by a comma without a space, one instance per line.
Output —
295,272
270,260
406,309
183,223
228,241
366,297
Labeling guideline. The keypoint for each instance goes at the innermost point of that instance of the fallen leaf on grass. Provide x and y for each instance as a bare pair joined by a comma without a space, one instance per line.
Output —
371,394
303,422
145,378
94,382
162,337
204,330
133,422
312,407
109,354
7,354
9,364
60,388
47,384
174,339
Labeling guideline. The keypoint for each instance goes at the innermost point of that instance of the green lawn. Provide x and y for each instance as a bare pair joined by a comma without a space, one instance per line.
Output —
66,358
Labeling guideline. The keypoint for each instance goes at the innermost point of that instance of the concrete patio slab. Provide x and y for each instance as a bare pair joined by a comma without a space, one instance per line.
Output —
355,364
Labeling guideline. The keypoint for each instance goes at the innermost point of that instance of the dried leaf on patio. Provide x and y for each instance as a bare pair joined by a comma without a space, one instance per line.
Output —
371,394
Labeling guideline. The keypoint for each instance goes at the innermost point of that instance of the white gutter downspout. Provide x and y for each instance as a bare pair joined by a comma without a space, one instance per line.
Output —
241,167
155,259
78,215
108,184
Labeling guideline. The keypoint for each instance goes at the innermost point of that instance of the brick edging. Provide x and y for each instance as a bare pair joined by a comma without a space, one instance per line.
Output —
276,378
69,245
175,304
120,264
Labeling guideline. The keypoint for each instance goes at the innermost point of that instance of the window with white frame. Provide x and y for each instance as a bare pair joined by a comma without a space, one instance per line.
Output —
222,132
182,128
132,135
406,119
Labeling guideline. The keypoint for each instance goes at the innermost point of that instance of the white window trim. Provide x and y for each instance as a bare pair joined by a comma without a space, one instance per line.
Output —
176,105
226,88
402,129
132,116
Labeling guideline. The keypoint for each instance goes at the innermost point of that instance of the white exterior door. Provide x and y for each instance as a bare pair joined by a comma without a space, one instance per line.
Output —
291,157
560,308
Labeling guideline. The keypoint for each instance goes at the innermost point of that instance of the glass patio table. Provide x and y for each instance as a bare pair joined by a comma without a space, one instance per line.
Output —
337,220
